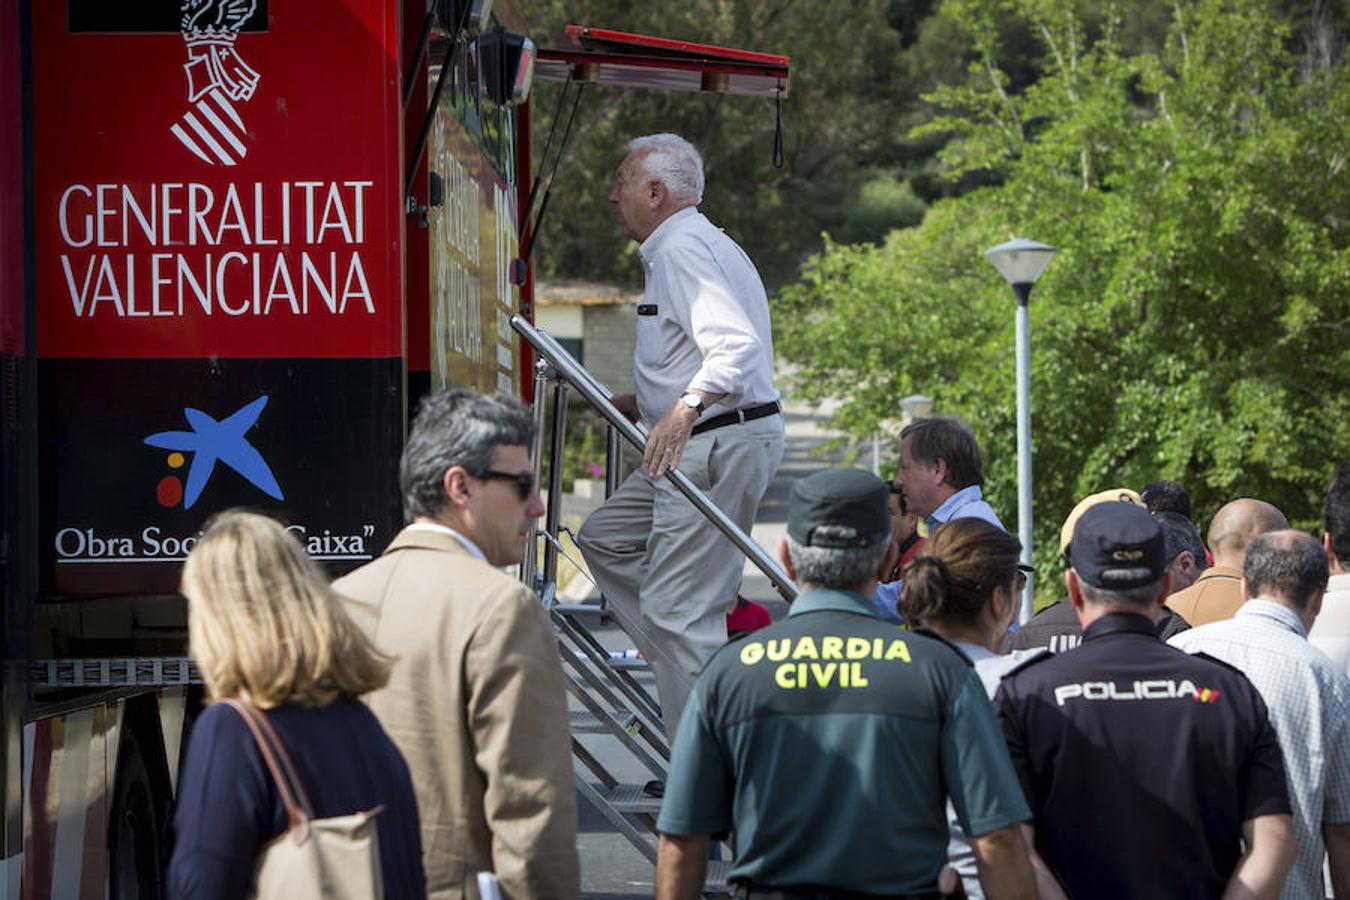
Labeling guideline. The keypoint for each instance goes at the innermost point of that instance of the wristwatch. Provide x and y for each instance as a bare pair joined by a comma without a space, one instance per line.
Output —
694,401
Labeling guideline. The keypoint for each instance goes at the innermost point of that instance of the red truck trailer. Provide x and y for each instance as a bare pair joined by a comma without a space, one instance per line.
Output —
206,305
238,240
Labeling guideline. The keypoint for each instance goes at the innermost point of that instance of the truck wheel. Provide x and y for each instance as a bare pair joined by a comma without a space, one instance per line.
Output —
135,832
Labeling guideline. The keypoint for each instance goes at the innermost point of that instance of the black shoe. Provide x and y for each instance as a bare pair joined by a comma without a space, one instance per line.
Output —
655,788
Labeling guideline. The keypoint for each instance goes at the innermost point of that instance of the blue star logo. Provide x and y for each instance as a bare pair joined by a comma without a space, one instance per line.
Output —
210,441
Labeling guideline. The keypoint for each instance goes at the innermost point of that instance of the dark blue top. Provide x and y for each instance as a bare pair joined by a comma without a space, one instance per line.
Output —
228,805
1140,762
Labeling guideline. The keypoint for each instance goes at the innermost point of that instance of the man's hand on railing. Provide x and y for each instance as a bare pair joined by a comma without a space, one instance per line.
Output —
666,440
627,405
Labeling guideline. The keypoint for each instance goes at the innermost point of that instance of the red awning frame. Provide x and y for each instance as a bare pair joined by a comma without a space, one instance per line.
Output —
622,59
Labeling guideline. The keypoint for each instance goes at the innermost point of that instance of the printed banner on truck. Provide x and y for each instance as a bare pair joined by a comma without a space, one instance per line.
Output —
217,177
472,244
145,454
218,231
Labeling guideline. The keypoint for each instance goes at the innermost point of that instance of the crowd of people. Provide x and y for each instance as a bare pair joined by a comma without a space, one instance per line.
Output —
1153,757
1175,726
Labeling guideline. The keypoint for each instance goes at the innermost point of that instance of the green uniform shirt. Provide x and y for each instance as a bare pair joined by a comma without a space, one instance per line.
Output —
830,742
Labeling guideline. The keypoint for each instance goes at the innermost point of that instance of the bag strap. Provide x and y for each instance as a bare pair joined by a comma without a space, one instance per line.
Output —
296,787
298,813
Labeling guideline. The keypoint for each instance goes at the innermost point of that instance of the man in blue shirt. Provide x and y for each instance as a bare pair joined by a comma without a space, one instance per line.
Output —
830,741
940,477
941,471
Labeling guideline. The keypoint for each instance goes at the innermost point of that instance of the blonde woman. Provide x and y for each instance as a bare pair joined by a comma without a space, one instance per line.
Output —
266,629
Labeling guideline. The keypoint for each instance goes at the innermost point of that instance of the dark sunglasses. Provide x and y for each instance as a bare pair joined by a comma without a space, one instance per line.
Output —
524,481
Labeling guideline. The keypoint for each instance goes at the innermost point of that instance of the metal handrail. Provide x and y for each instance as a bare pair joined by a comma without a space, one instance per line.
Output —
636,434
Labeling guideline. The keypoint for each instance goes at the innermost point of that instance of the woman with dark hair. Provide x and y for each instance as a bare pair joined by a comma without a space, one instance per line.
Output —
965,587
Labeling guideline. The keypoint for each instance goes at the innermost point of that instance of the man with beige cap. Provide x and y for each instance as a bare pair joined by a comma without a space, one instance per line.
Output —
1056,628
1217,593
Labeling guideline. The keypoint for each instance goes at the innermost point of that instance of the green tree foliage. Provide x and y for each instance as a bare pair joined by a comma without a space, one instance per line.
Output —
1196,322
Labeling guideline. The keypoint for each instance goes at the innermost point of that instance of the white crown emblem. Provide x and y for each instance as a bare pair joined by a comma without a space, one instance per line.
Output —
217,79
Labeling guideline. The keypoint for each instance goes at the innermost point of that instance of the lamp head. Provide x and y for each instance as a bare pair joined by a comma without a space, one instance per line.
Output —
1020,261
916,406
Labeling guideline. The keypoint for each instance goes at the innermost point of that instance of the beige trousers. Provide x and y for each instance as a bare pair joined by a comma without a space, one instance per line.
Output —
668,574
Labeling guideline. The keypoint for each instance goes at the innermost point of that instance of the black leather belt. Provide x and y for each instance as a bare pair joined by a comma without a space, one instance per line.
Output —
750,892
737,416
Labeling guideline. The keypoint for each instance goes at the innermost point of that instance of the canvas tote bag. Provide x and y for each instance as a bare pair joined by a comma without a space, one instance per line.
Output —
333,859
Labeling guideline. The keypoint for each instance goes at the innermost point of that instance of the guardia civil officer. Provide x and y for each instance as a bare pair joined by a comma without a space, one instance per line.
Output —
831,740
1147,770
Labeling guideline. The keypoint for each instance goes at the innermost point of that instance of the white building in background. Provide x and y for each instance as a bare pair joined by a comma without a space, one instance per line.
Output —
597,323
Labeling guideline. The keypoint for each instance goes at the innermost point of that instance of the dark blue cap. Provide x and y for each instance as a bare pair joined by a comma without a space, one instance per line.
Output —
839,508
1118,546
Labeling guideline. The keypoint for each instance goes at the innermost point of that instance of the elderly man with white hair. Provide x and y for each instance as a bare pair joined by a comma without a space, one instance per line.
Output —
704,382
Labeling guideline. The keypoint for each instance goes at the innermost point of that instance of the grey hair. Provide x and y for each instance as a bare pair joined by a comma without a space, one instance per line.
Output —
456,428
839,568
1132,599
1288,564
674,162
1179,534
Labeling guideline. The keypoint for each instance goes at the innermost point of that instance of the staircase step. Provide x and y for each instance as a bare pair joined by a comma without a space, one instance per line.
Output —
579,609
585,722
630,798
716,879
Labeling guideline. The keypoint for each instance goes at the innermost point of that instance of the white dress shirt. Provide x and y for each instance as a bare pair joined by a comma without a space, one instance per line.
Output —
1331,632
1308,700
446,529
704,320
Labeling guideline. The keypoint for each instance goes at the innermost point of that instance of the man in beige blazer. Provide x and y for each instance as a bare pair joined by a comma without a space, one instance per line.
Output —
475,700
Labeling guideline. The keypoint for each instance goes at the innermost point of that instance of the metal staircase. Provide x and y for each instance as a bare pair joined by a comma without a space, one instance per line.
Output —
610,701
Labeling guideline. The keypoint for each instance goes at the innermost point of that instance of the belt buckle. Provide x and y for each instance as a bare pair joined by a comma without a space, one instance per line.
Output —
740,415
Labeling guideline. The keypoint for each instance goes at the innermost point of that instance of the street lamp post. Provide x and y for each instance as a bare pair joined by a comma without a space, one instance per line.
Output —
915,406
1021,262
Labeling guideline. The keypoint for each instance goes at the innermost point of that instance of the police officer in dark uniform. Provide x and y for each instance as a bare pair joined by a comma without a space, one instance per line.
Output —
831,740
1147,770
